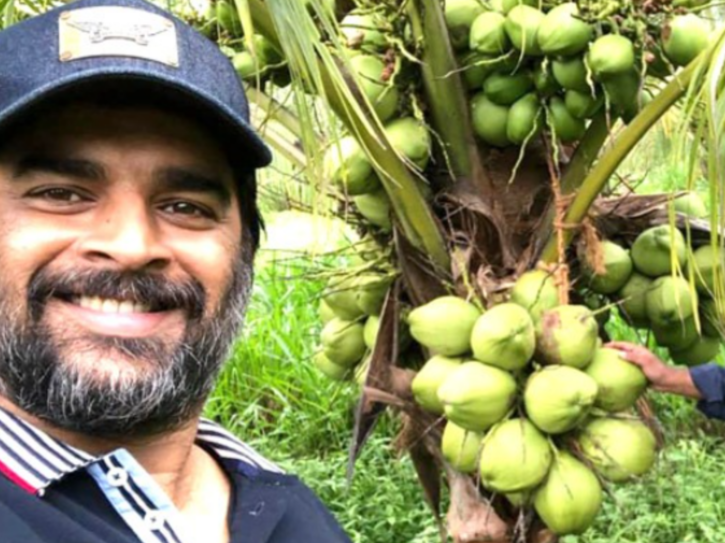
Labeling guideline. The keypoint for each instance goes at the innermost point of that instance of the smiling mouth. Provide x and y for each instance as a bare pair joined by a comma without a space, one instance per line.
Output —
120,318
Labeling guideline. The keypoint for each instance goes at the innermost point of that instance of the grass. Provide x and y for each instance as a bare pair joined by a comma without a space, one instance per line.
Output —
272,396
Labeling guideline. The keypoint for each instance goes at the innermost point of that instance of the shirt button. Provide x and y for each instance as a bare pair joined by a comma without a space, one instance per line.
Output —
117,476
154,520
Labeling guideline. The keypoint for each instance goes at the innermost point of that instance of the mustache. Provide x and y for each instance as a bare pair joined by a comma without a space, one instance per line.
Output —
153,290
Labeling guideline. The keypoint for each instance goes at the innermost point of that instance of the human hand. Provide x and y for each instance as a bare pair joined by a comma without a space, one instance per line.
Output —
662,377
656,371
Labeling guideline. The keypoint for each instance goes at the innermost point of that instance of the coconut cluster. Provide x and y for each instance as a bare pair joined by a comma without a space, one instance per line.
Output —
530,68
534,406
652,285
350,311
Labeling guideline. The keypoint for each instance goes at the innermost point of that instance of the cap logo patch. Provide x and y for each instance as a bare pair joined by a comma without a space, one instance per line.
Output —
118,32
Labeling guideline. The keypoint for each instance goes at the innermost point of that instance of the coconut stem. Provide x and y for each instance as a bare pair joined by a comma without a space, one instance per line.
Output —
624,144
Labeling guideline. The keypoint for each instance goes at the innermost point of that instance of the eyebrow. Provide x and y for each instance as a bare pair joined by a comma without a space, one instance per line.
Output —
79,168
185,180
171,178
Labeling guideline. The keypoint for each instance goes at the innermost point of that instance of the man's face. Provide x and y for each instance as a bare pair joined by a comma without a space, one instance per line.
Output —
123,273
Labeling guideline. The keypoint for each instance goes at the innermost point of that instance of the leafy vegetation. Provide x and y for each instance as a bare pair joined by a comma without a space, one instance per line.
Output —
274,398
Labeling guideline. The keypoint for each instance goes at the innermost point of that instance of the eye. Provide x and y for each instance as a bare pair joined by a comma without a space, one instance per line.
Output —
188,209
58,194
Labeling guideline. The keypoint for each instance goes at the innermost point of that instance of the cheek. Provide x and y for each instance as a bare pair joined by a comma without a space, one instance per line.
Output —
211,262
25,248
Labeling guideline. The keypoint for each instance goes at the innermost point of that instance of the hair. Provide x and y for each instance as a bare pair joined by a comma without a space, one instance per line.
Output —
124,93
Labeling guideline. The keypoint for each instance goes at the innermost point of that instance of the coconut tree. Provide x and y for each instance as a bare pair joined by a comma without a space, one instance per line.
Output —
529,108
471,142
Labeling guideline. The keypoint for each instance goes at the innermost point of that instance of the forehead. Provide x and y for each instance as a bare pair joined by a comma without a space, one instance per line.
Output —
130,129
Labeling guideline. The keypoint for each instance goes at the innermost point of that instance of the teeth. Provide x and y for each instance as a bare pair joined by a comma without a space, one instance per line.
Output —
125,307
107,305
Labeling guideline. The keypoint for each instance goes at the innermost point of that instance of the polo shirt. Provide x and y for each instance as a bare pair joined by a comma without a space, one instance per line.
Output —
52,492
709,379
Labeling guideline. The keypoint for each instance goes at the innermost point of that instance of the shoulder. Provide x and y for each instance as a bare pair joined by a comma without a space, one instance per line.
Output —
229,447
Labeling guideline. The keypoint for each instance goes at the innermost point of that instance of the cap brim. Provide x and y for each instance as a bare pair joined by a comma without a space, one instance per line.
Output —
237,136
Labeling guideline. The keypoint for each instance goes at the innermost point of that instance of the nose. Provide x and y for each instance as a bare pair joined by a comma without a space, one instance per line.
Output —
127,237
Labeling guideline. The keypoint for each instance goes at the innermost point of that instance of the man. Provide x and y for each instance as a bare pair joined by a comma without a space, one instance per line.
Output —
704,383
128,225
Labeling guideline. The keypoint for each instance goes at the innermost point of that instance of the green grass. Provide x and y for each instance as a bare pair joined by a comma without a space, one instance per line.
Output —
272,396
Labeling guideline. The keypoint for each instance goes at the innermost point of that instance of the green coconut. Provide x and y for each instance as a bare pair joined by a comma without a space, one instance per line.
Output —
708,267
562,32
477,396
340,297
654,249
600,307
623,90
370,291
677,335
330,369
631,110
375,207
382,95
475,68
247,66
610,55
582,105
365,30
566,127
669,301
522,27
691,205
712,318
633,298
515,457
569,500
343,342
617,269
460,15
705,349
325,312
619,449
544,81
518,499
429,379
684,37
558,398
504,337
488,34
525,119
490,120
410,138
535,291
228,17
370,331
571,73
508,5
567,335
347,165
460,447
504,89
360,373
620,382
444,325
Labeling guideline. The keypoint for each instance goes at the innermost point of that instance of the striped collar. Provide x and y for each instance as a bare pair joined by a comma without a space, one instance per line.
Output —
33,460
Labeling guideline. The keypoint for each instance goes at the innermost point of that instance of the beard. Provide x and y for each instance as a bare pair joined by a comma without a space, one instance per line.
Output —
153,385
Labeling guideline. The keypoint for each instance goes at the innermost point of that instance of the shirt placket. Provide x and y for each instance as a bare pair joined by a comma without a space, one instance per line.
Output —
137,498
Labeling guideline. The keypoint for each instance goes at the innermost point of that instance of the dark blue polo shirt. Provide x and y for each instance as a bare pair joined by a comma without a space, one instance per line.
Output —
710,381
51,492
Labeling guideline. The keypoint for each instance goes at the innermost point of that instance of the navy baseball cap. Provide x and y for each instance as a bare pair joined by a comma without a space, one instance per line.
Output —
119,42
